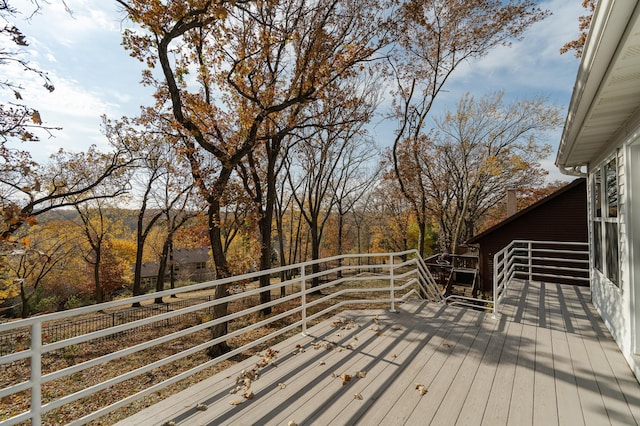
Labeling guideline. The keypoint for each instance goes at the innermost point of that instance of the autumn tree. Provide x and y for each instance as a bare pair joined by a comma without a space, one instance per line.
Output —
100,227
584,22
41,251
217,63
433,38
28,189
163,187
475,153
392,219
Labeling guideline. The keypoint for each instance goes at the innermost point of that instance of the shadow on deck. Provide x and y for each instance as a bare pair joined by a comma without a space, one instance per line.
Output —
548,360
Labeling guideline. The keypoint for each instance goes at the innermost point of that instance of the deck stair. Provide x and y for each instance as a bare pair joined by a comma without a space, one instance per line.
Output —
456,274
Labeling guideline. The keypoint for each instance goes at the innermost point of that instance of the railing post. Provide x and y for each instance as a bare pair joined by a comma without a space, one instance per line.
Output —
36,373
529,255
391,284
495,283
303,289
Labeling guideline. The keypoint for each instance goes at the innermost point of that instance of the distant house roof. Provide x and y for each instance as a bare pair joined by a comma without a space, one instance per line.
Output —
549,198
181,256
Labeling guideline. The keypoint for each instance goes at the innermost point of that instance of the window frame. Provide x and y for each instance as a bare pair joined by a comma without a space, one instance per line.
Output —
605,220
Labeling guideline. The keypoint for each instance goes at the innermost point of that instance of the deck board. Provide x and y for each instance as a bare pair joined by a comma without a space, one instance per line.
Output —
547,360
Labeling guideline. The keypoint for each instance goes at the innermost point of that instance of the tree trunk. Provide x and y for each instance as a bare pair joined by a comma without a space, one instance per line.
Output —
222,271
283,260
422,228
172,267
162,267
315,252
340,229
24,309
137,271
99,295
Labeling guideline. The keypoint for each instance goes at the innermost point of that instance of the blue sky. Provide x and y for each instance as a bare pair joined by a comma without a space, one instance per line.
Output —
94,75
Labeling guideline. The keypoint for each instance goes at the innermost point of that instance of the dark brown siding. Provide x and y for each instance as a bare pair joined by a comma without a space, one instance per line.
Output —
561,216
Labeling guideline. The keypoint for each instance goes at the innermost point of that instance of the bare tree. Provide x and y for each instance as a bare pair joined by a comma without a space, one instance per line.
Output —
433,38
464,167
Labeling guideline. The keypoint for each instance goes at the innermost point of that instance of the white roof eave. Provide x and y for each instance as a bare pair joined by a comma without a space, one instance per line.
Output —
609,30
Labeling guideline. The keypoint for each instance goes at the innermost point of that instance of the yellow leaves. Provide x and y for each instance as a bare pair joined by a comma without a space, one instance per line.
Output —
220,12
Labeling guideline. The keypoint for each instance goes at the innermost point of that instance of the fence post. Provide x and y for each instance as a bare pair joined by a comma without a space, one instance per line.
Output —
391,284
303,289
36,373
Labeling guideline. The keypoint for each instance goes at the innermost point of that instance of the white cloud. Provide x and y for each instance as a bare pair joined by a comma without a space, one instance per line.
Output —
90,70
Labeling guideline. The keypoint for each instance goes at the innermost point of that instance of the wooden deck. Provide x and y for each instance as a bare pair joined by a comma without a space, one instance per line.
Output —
548,360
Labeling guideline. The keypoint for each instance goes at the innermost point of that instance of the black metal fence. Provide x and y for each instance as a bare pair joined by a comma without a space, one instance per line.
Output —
19,339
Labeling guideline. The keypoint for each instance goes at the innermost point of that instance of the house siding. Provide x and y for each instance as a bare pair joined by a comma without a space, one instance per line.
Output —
560,217
617,304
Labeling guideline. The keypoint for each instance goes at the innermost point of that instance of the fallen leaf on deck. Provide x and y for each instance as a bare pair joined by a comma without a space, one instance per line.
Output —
362,374
346,378
357,396
422,389
248,395
282,385
236,402
201,407
292,423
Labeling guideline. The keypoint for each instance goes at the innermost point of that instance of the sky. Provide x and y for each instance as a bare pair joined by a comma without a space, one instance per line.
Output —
93,75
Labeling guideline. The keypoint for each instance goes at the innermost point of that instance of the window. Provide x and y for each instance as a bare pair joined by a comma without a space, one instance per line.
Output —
605,221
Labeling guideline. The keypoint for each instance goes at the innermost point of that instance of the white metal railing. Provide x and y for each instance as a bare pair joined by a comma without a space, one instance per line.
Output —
374,278
552,261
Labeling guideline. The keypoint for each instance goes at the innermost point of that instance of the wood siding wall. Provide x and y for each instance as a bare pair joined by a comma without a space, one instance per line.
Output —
559,217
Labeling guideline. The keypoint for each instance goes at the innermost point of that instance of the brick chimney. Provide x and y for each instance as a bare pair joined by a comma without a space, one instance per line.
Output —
512,202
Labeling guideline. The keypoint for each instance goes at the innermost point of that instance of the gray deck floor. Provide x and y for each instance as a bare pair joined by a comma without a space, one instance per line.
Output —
548,360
